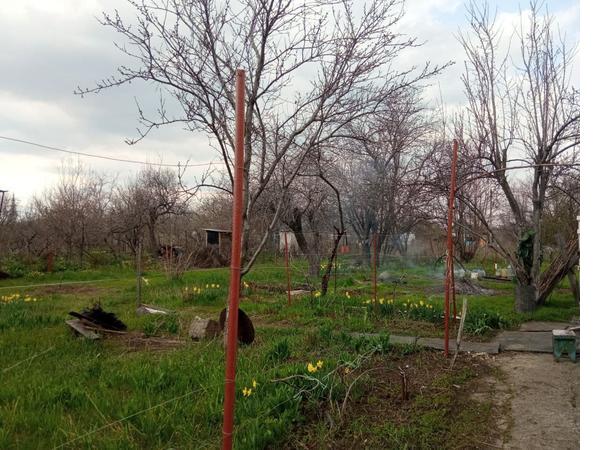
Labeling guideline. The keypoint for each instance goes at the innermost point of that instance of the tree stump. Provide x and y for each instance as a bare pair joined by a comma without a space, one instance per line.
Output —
204,329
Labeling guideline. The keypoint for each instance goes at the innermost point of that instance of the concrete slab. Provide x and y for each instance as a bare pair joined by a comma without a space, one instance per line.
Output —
403,340
518,341
465,346
394,339
543,326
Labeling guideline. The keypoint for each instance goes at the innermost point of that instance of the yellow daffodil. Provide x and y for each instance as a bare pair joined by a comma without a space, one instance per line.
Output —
311,368
381,301
421,302
254,384
246,392
319,364
318,294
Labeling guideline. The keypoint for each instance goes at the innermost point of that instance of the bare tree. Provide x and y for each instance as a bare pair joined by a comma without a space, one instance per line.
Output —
521,114
383,190
155,193
73,210
312,68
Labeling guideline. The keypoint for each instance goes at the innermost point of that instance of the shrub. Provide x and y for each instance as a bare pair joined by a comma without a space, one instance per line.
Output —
478,322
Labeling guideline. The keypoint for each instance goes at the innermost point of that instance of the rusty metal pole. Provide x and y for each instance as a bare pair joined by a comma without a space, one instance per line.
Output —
449,251
287,269
374,273
236,256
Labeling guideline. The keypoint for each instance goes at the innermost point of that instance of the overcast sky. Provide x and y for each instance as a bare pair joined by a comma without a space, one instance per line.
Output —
52,46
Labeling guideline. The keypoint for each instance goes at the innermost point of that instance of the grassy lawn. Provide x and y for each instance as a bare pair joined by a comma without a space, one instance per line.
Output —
62,392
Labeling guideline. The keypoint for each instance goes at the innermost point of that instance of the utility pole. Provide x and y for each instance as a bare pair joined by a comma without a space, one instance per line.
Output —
2,192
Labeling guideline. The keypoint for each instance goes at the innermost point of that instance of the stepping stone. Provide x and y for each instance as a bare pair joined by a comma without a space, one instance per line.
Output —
518,341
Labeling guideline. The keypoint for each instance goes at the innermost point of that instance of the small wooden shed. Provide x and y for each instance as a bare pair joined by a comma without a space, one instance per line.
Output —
221,239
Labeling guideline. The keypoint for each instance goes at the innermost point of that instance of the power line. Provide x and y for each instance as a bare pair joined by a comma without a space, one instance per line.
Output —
110,158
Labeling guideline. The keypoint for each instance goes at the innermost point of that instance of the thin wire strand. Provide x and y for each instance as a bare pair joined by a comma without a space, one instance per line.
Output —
115,422
30,358
110,158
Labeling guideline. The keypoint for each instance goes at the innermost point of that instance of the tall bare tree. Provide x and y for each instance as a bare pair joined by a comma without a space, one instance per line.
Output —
522,114
312,68
383,190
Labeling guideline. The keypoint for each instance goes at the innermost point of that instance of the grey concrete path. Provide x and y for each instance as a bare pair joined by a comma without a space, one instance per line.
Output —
438,343
533,337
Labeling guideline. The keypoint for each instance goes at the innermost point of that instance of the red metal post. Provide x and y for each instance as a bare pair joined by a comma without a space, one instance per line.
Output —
287,269
236,256
374,272
449,254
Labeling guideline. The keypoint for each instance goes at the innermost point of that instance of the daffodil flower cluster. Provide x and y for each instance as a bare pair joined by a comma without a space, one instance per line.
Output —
16,297
312,368
198,289
382,301
247,392
420,304
333,266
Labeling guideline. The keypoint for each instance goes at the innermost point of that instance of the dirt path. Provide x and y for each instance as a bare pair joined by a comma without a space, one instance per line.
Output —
543,400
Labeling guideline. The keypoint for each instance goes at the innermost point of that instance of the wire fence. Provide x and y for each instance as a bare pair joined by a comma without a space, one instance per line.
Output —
366,263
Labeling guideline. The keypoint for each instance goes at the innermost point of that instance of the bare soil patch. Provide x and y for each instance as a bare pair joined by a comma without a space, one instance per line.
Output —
438,412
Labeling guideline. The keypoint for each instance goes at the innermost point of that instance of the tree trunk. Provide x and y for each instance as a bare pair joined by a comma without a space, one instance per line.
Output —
558,269
154,247
366,252
525,297
330,262
574,282
313,259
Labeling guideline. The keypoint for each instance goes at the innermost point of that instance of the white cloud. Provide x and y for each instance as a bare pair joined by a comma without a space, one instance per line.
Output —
50,47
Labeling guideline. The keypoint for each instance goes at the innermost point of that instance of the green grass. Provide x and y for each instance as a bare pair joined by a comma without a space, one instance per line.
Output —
58,390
